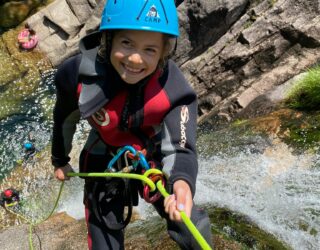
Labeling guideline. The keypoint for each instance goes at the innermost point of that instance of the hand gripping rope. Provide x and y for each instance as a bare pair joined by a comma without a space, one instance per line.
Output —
153,181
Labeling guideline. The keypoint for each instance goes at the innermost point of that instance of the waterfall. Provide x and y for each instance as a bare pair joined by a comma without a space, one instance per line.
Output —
277,190
274,187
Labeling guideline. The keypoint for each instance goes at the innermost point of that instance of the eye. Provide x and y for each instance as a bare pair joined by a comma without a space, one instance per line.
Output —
126,43
151,51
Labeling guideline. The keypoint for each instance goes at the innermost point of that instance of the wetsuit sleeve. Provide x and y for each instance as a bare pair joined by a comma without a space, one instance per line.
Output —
179,133
66,113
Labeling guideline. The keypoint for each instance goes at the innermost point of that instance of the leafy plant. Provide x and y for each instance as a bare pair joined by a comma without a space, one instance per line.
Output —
305,95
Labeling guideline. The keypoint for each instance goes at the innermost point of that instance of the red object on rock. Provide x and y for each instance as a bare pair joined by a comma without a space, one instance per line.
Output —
27,39
8,193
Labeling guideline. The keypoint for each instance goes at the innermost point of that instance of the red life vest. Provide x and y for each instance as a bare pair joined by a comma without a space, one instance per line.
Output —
107,119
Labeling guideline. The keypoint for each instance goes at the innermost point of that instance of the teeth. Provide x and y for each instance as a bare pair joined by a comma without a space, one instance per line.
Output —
132,69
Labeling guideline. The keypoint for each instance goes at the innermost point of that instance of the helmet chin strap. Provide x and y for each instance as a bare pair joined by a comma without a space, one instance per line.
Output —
175,46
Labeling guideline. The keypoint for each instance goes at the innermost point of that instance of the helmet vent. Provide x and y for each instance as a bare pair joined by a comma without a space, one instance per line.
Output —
142,9
164,10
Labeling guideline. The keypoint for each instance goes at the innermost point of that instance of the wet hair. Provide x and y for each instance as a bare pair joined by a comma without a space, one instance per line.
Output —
104,51
105,46
170,46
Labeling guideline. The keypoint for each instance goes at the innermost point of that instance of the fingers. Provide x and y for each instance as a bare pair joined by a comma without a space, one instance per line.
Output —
184,196
170,205
181,200
61,173
58,174
67,169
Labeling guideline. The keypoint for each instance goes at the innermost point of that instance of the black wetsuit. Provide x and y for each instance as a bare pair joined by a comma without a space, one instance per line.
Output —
159,114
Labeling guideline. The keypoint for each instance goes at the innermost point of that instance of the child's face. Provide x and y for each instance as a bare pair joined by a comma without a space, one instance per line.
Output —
135,54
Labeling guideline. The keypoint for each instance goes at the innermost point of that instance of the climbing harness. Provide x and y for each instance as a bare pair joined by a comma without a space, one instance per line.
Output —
152,179
138,158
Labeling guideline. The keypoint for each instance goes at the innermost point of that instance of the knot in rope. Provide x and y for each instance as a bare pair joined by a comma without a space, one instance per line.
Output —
155,175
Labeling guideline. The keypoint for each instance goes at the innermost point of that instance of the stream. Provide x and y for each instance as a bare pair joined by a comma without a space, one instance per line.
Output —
261,180
276,190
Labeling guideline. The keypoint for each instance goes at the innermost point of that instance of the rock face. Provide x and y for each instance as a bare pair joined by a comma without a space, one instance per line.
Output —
61,24
48,235
14,12
232,52
268,44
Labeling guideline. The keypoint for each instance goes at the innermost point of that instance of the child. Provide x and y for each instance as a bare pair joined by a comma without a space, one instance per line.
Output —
9,197
29,148
131,94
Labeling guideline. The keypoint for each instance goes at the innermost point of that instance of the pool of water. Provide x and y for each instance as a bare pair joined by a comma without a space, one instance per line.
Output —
33,118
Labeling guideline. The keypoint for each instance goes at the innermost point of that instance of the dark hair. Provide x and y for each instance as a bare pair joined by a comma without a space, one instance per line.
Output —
105,46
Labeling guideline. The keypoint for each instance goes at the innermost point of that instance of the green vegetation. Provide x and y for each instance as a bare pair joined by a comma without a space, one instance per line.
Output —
240,229
303,131
272,2
305,95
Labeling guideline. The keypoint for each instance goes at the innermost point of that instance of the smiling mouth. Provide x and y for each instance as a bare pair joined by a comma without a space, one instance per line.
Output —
132,70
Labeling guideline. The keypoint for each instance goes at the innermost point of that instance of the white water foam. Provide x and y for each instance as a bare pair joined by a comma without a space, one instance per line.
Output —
279,191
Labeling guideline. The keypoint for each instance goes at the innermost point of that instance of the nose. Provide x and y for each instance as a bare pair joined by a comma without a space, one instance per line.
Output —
135,58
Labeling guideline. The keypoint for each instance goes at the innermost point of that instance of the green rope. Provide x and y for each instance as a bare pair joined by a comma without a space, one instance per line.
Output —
193,230
144,178
118,175
33,224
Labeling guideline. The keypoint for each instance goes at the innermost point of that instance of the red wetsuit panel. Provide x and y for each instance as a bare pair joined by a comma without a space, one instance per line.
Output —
156,103
107,119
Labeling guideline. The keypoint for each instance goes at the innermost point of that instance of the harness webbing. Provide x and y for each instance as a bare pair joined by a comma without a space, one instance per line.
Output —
147,178
153,187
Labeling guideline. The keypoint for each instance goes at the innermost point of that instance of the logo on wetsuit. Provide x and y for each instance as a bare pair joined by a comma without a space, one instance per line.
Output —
101,117
184,115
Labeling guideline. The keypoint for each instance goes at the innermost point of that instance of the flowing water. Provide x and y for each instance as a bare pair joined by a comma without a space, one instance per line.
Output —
31,120
276,189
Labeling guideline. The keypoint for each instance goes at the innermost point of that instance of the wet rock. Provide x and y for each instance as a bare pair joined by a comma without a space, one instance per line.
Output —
61,25
20,72
231,52
14,12
267,45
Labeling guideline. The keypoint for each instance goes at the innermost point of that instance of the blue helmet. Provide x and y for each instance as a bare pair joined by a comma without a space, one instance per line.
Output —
28,145
149,15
